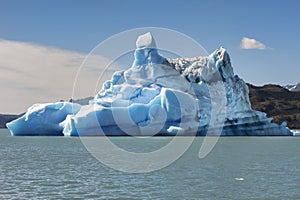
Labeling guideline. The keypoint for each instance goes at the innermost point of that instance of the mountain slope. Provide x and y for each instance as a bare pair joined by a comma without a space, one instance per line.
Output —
293,88
5,118
277,102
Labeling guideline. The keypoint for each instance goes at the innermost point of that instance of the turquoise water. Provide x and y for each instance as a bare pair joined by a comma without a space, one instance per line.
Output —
237,168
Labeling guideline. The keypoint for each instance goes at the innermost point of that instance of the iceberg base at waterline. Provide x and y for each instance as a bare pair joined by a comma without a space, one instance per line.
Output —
158,96
43,119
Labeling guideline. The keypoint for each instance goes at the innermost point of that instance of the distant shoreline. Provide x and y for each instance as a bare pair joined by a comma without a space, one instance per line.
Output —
278,102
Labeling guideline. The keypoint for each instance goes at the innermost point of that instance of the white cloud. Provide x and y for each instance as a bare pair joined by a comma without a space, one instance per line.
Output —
250,43
31,73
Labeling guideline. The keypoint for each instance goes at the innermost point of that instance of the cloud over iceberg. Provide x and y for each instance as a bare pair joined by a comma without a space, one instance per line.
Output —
250,43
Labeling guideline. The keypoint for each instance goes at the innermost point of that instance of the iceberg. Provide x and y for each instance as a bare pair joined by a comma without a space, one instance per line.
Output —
43,119
158,96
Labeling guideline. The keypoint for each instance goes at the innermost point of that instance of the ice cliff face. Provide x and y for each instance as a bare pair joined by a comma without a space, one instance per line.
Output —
159,96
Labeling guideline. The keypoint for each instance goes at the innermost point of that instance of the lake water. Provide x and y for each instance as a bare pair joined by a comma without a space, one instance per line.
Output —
237,168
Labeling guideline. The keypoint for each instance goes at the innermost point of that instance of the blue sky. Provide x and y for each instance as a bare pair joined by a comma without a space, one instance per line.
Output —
78,26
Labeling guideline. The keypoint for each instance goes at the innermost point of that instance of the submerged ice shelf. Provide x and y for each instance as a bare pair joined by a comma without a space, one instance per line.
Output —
158,96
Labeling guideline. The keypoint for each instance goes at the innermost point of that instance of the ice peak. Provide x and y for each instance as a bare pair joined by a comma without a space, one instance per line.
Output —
146,51
158,96
145,41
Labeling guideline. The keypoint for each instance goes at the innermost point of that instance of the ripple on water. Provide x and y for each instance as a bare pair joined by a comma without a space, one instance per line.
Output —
238,168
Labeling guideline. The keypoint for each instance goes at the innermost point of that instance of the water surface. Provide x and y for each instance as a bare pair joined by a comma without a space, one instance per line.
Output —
237,168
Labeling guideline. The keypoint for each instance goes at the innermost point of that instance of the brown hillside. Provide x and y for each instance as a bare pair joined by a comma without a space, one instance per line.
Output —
278,103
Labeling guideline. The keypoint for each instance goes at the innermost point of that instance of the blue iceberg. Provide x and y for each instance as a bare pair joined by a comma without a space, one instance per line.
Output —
43,119
158,96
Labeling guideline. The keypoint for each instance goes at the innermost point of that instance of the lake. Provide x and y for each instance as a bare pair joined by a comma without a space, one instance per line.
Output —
237,168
